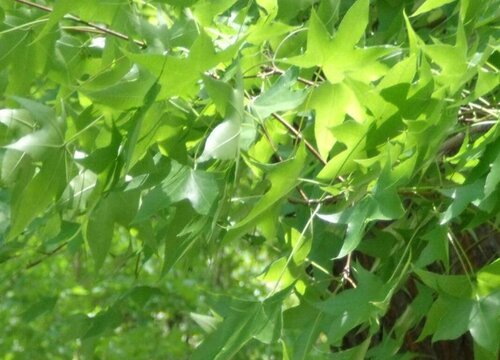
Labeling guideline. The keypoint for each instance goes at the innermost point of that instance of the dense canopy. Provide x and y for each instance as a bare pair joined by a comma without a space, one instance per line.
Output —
249,179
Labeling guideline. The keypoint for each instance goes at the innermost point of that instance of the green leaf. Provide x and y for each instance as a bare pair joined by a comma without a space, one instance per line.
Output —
42,306
462,196
128,93
488,278
199,187
456,312
206,10
271,6
493,177
45,187
182,234
103,321
353,307
486,82
305,341
430,5
244,320
452,285
338,56
220,92
448,310
436,248
353,25
116,207
356,219
136,121
332,103
484,322
51,134
104,158
280,96
207,323
283,179
353,136
223,143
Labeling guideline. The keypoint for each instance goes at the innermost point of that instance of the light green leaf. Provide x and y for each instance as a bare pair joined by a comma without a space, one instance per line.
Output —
220,92
37,143
332,102
207,10
429,5
223,142
488,278
486,82
51,134
493,177
353,135
271,6
207,323
353,25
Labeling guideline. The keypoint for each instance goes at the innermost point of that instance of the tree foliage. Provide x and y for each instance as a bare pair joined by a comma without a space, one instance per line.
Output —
296,179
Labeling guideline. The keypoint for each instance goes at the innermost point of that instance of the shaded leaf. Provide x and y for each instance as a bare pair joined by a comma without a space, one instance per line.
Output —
280,96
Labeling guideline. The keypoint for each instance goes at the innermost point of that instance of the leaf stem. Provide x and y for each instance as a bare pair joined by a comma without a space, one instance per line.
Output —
100,28
299,136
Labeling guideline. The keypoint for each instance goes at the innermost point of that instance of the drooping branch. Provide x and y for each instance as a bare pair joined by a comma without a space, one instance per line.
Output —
101,29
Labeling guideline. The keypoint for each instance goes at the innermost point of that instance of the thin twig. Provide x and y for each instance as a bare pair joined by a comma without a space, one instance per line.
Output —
100,28
452,145
299,136
46,255
346,273
272,70
305,199
329,199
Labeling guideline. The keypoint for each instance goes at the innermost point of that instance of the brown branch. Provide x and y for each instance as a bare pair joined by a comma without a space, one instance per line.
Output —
299,136
273,70
346,273
329,199
452,145
305,199
100,28
46,255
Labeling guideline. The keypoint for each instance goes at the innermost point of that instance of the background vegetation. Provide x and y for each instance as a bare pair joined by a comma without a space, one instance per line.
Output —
296,179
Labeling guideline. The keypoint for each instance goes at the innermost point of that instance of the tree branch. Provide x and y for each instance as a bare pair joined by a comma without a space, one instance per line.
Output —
299,136
99,28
